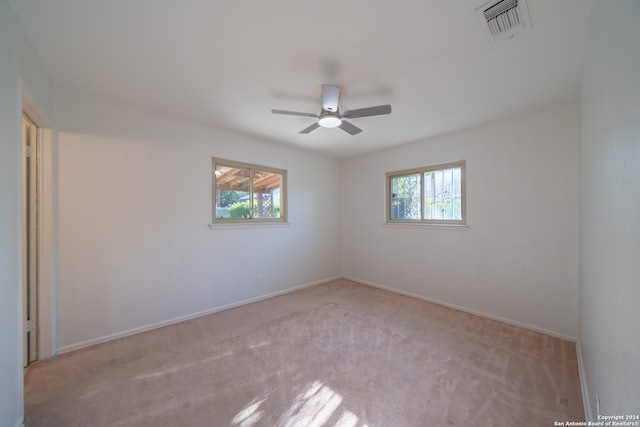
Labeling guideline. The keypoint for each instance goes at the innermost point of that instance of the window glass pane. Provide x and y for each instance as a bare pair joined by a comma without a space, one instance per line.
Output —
232,192
244,191
431,194
405,197
443,194
266,194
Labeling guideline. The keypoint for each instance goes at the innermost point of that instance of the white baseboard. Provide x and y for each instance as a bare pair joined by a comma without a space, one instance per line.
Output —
467,310
586,399
93,341
99,340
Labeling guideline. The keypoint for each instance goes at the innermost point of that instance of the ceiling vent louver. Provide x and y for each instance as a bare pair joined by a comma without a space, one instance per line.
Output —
504,18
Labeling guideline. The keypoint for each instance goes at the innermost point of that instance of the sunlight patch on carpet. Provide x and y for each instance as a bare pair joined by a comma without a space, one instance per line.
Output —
249,416
348,419
167,371
313,407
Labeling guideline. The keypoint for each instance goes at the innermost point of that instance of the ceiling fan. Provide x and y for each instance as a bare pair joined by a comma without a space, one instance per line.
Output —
330,116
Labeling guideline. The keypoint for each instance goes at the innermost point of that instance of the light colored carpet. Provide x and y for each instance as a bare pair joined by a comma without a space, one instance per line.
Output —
337,354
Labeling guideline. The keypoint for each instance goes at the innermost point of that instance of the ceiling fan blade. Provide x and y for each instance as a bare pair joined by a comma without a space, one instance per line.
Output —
330,98
294,113
349,128
310,128
369,111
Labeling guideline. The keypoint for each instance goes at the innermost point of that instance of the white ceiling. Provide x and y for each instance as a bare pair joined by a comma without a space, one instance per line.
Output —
228,63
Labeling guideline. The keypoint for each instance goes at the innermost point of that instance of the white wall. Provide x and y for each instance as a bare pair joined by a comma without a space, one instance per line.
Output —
610,205
517,260
20,73
134,206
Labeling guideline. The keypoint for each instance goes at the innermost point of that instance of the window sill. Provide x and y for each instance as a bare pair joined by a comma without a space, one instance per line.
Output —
238,225
457,227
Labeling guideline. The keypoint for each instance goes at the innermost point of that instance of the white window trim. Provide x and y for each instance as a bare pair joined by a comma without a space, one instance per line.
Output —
247,225
454,224
422,225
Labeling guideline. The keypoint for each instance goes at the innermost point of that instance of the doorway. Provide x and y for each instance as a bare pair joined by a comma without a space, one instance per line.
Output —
30,238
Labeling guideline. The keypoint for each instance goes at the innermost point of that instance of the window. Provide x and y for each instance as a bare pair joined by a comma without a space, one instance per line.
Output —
432,194
244,192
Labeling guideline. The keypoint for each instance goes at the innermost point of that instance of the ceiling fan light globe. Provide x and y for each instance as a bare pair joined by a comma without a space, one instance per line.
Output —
330,121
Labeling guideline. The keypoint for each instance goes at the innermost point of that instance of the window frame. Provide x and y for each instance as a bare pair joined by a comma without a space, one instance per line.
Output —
217,161
462,164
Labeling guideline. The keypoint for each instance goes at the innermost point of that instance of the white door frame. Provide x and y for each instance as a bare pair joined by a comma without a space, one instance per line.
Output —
46,254
30,240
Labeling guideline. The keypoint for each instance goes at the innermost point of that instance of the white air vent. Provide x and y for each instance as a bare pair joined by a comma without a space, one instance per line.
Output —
504,18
